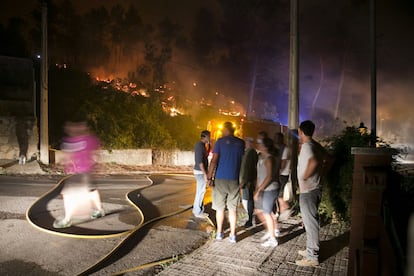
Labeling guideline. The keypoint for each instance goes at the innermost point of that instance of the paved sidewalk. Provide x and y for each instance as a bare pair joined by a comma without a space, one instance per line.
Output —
248,257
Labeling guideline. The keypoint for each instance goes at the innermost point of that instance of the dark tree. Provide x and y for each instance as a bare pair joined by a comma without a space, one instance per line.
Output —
12,39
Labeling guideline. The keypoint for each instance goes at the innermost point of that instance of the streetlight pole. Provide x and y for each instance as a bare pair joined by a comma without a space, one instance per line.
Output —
373,72
44,120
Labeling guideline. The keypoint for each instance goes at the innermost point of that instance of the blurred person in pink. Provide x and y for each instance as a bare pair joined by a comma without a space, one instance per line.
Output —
79,147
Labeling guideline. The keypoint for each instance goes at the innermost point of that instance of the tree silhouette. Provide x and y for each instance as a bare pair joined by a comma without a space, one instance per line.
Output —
12,40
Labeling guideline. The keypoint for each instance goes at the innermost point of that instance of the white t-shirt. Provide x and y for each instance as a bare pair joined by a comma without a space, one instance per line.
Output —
262,173
312,183
285,156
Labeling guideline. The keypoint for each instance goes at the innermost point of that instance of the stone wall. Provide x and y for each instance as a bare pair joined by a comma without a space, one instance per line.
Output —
18,136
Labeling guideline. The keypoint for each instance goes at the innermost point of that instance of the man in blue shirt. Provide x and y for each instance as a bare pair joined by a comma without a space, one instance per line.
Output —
225,170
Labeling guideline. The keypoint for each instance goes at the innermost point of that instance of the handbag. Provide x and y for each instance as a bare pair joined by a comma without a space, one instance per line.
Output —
288,191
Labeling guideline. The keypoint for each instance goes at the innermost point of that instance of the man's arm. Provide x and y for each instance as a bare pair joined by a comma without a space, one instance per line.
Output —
203,169
212,169
310,168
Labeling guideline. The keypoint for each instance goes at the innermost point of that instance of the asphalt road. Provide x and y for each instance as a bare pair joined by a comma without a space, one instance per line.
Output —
27,250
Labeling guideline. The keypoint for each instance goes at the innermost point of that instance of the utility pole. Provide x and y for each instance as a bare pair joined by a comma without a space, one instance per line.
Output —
44,109
293,108
373,72
293,105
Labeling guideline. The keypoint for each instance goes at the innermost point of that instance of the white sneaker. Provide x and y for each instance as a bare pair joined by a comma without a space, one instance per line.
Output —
219,236
277,233
271,242
98,214
303,253
265,236
202,215
63,223
232,238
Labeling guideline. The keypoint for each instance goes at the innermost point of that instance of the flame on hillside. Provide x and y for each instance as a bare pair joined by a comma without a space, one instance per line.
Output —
223,104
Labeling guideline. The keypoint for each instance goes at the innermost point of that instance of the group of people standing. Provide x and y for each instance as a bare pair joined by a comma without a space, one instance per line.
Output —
262,185
256,172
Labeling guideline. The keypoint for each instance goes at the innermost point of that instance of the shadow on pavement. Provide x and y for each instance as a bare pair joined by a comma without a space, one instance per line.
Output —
39,215
332,247
132,240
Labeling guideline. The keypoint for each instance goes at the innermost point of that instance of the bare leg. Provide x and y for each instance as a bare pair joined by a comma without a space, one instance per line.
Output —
259,215
232,220
96,199
275,225
220,220
69,205
270,224
283,205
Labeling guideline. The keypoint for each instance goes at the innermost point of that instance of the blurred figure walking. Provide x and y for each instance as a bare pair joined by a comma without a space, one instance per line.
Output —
79,147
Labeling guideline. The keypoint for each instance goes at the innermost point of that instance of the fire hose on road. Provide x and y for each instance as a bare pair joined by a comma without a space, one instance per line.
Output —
39,207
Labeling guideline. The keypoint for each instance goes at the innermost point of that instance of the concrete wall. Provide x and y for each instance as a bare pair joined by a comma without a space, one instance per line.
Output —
173,157
138,157
18,136
126,157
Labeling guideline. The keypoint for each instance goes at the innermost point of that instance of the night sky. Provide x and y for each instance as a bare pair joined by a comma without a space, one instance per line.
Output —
334,62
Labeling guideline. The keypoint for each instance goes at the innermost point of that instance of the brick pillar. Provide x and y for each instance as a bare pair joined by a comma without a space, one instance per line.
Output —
369,182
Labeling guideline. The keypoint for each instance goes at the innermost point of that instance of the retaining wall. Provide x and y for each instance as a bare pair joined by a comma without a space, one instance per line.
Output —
19,136
138,157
